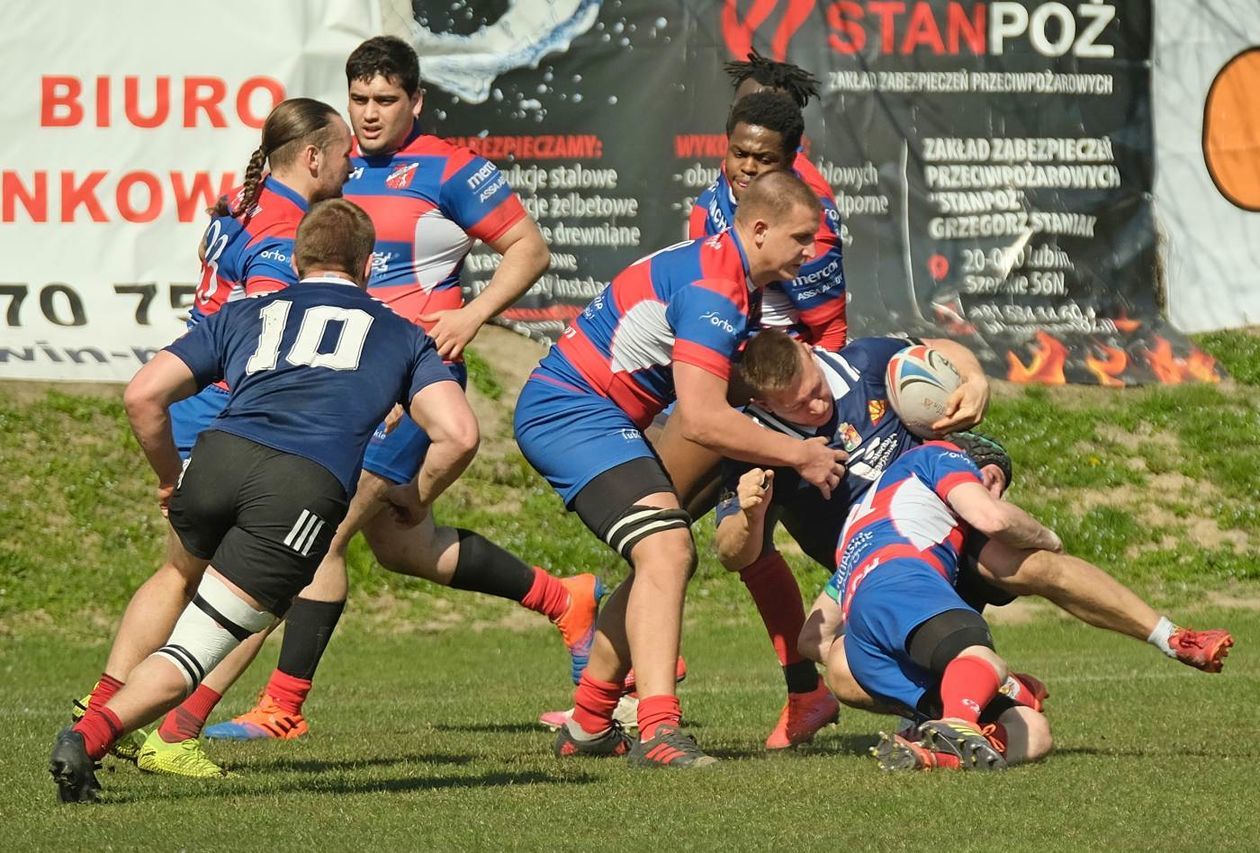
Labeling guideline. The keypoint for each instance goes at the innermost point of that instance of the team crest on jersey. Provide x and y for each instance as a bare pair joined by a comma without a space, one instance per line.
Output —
849,436
876,409
400,178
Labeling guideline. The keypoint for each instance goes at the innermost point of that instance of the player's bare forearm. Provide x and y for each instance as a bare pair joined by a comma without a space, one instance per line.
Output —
525,259
152,427
147,397
442,411
1021,530
740,536
1001,520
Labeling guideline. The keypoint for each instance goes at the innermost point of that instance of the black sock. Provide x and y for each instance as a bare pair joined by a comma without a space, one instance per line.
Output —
801,677
485,567
308,626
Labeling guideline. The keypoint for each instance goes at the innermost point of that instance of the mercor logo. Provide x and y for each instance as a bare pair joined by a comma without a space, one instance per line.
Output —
896,27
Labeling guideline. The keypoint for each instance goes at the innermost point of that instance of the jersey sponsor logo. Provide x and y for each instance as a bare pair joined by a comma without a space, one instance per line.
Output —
871,459
714,242
400,178
876,410
631,435
380,262
275,255
493,187
713,318
356,173
848,436
480,175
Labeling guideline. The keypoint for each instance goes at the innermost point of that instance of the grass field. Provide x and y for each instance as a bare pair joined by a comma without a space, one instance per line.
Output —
423,715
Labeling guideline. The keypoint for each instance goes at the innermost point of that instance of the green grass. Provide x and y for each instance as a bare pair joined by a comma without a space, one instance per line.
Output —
427,740
424,714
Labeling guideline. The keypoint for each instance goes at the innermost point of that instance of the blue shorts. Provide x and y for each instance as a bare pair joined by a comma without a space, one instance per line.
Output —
397,456
889,604
192,415
572,436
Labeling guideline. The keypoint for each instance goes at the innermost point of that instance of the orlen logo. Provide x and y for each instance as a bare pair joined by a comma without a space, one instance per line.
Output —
904,28
715,319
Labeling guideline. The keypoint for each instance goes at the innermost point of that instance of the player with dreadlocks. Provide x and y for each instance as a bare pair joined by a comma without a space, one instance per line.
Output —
763,131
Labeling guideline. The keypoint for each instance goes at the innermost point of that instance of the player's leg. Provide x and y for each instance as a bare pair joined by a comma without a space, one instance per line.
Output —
309,624
462,559
693,468
599,463
1096,598
809,705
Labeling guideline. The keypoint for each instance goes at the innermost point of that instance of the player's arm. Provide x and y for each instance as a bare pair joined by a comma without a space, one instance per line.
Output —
165,379
442,411
967,405
707,419
740,535
525,258
1000,520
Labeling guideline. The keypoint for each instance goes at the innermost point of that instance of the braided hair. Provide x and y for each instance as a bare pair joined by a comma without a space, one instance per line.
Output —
793,80
983,450
290,125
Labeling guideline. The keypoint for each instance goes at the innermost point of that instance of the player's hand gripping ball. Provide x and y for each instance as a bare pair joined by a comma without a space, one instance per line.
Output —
920,381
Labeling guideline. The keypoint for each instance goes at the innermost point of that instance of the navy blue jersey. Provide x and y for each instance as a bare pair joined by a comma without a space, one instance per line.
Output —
313,369
863,424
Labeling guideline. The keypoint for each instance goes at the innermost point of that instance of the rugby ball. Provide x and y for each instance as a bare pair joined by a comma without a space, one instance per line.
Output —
920,381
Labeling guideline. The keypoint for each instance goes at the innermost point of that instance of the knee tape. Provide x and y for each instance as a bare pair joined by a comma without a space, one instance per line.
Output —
938,641
216,622
640,521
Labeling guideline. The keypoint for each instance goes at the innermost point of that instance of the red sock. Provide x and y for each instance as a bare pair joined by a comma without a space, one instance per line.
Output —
969,683
105,688
288,691
100,728
186,720
778,599
547,596
593,704
654,711
946,761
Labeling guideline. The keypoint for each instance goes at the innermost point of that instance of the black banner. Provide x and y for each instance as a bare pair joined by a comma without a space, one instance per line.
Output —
992,161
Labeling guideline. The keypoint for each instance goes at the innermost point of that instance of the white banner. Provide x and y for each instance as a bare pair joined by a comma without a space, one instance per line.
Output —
1206,101
123,122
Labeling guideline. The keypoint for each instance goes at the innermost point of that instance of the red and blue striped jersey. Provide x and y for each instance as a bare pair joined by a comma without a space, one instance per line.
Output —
249,254
905,515
429,202
692,303
812,304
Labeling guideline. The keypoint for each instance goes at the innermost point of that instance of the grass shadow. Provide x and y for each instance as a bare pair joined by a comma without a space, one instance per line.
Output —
319,765
492,728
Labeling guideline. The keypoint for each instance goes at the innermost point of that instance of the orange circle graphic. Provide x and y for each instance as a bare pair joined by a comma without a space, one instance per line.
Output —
1231,130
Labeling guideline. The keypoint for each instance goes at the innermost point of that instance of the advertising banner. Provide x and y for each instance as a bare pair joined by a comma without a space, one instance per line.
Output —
992,161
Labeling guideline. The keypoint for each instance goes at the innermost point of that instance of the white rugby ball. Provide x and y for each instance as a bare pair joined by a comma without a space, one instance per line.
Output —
920,381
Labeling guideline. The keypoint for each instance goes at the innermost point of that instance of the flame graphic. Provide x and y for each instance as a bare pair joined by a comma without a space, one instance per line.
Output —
1171,370
1108,368
1046,367
1125,324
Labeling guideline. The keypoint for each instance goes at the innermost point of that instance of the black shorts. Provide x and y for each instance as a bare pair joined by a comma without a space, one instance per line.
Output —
262,517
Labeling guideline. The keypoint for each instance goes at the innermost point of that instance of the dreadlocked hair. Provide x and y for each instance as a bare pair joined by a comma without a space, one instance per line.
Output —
290,125
983,450
795,81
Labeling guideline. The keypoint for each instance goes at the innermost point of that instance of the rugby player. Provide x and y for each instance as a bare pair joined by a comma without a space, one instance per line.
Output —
839,395
257,501
912,644
430,201
666,329
247,250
